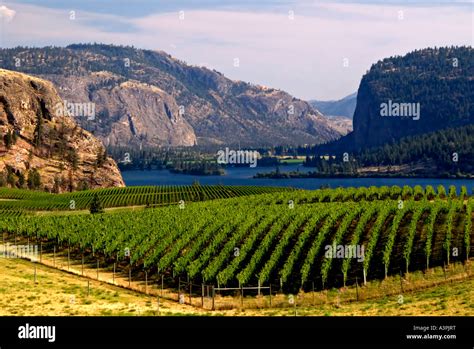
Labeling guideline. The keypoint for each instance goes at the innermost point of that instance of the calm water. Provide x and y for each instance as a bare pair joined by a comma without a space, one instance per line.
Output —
243,176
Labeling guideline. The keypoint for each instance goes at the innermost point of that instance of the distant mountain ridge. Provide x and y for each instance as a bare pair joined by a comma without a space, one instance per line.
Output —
343,107
149,98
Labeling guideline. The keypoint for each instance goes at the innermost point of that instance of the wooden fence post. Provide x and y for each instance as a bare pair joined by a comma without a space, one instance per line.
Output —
401,283
270,295
202,295
213,296
158,304
357,290
146,282
190,293
294,303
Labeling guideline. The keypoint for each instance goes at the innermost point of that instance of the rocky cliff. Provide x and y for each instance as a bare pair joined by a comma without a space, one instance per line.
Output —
440,82
150,98
424,91
41,146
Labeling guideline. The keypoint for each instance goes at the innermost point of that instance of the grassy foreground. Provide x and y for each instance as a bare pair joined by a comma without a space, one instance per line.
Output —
58,293
63,294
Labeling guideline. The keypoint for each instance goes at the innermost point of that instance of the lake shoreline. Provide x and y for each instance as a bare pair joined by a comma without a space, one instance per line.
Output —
350,176
244,176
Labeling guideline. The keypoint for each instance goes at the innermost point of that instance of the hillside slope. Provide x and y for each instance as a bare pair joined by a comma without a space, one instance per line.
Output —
149,98
432,89
41,147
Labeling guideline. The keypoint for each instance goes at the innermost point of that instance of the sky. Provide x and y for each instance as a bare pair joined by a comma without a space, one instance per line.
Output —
313,49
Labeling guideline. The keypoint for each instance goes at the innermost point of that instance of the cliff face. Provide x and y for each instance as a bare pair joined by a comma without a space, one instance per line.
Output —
439,83
150,98
127,112
37,135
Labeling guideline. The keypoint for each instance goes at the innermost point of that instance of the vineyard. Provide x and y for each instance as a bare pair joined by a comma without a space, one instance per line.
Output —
281,237
20,199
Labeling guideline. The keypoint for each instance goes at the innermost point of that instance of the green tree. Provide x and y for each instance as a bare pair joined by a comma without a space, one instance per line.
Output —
34,179
83,185
73,158
38,135
3,181
8,140
101,157
21,180
96,205
57,184
11,178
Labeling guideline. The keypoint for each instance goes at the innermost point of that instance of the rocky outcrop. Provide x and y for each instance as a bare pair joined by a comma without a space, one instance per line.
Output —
38,135
150,98
424,91
127,112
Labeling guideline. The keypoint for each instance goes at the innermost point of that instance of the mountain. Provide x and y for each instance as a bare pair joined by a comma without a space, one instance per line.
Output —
41,147
149,98
424,91
344,107
341,124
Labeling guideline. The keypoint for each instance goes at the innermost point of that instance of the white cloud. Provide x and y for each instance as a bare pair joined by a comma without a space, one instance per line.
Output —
303,56
6,13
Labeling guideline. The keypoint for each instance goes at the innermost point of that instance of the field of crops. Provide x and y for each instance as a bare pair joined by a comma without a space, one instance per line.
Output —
20,199
279,238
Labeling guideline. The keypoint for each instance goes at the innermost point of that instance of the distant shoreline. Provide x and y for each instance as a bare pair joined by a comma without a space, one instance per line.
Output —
302,175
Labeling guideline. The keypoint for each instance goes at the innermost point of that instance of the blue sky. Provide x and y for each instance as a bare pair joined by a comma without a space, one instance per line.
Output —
137,8
310,48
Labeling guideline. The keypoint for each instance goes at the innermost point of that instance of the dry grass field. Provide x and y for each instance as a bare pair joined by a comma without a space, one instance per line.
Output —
57,292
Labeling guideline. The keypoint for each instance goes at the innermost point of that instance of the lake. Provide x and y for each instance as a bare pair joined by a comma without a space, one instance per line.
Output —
243,176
